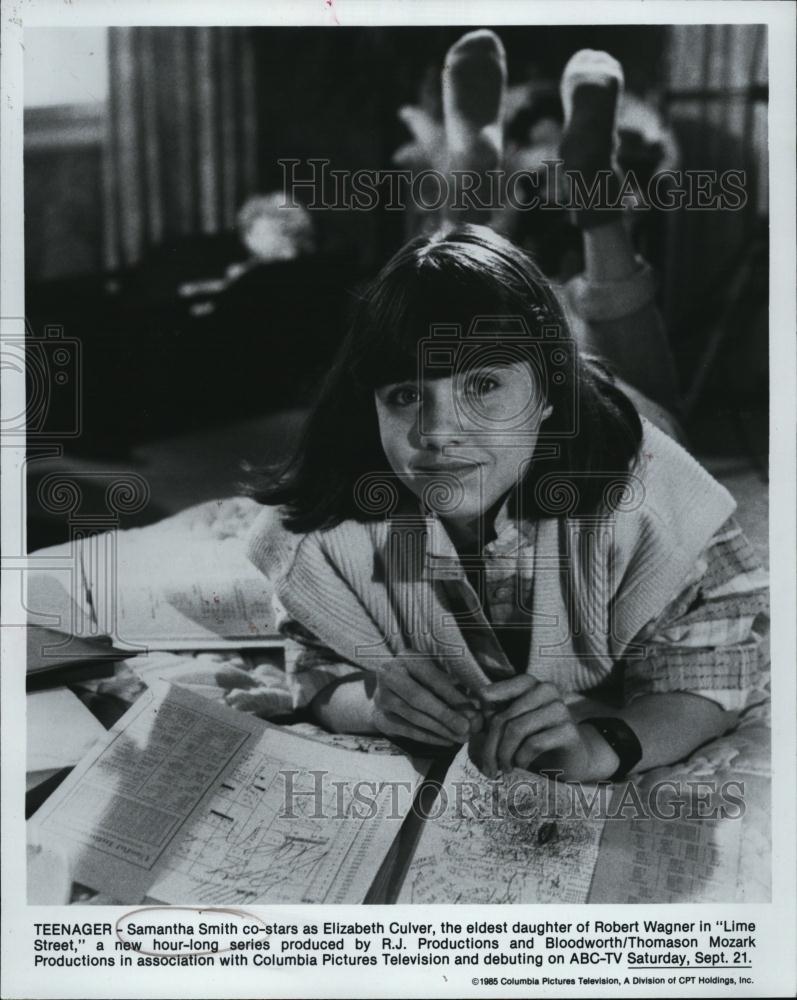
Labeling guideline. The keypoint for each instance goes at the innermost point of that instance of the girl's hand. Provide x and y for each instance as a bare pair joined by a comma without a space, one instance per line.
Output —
416,699
536,731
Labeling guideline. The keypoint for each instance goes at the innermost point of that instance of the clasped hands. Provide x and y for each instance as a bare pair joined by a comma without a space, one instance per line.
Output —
516,723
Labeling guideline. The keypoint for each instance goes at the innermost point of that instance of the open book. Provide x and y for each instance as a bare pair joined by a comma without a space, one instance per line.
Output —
152,588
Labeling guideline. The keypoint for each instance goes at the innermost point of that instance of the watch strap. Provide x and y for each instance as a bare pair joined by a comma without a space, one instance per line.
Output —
622,739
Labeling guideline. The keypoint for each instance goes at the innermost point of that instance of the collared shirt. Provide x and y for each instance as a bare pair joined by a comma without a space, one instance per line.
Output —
710,640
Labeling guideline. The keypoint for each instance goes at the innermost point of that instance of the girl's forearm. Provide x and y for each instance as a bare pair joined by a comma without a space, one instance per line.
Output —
669,726
346,706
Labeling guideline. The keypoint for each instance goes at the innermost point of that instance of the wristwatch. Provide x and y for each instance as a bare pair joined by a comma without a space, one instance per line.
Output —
622,739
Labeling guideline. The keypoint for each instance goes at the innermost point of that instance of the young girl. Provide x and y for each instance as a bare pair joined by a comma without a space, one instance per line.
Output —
479,531
481,541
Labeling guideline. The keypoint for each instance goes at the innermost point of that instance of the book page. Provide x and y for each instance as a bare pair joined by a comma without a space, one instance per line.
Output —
193,802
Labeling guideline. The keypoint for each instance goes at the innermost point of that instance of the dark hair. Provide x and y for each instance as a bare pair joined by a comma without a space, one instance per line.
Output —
452,279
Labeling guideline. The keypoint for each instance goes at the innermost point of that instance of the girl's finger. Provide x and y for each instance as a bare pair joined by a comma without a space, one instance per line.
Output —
500,745
430,675
394,725
517,730
411,714
548,739
512,688
439,697
405,687
541,696
475,719
489,751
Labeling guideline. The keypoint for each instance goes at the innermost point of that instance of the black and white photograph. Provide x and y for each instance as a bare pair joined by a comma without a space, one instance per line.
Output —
398,446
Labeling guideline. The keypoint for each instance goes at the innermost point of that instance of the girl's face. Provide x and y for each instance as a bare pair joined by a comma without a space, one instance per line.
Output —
468,436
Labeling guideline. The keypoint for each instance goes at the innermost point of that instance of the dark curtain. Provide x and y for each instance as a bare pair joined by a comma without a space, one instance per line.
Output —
715,288
180,155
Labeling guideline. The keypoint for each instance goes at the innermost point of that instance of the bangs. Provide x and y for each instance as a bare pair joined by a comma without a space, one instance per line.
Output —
465,297
427,321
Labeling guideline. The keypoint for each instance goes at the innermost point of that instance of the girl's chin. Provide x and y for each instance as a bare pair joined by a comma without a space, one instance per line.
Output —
464,497
466,510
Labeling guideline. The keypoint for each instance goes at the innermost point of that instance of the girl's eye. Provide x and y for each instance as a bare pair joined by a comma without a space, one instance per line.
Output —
403,395
482,385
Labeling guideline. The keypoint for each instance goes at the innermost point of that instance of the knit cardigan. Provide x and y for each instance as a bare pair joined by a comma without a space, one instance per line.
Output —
373,590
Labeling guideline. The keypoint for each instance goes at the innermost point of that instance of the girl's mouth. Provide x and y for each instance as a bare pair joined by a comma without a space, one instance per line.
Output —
452,468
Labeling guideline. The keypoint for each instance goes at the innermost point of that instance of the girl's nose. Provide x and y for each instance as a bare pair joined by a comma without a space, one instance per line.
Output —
440,416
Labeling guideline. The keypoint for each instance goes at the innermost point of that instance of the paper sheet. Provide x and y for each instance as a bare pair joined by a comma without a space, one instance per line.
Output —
155,589
709,859
494,842
671,861
189,802
198,593
60,729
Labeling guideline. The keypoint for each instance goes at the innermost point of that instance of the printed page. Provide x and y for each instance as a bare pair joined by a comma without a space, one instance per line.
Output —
495,842
525,839
166,592
669,861
193,802
697,850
